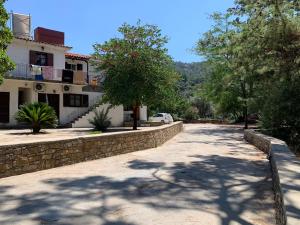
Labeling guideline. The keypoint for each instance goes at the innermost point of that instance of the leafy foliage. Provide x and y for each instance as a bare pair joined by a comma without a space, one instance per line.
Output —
38,115
191,113
254,50
5,38
137,67
101,121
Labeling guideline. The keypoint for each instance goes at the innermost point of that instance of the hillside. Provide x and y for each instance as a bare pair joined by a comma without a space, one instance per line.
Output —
192,72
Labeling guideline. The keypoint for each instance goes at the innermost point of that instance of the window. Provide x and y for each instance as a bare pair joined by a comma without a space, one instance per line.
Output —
76,100
41,58
79,67
74,67
128,108
70,66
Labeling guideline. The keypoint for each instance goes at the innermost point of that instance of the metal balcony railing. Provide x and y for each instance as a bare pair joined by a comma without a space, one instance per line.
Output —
47,73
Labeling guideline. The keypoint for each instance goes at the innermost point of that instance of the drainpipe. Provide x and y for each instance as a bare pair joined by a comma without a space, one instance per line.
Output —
87,72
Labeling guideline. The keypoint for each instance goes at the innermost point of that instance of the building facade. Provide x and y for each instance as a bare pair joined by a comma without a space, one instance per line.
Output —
47,72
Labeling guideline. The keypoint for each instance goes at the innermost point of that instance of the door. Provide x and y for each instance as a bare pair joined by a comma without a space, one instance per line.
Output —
52,100
4,107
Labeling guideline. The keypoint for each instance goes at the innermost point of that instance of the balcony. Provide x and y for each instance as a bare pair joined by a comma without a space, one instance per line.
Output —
48,73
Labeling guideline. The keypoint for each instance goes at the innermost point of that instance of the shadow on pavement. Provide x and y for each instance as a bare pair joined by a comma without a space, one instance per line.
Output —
170,188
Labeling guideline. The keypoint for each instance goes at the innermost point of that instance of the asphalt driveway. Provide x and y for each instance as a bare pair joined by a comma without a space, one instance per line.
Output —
206,175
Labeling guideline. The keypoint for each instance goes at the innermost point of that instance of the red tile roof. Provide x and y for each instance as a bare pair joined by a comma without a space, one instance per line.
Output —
70,55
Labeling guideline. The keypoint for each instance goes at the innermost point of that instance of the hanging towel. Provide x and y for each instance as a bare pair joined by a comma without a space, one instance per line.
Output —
67,76
57,74
36,71
79,77
47,72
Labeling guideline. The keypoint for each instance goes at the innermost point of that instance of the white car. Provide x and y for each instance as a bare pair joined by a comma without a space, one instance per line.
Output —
162,117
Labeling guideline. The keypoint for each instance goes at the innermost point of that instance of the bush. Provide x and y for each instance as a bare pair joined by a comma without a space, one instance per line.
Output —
191,113
101,121
38,115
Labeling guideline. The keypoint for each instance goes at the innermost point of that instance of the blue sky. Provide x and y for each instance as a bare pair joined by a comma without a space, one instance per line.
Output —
90,21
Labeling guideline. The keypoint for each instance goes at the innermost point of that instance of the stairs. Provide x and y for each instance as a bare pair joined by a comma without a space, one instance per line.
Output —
116,115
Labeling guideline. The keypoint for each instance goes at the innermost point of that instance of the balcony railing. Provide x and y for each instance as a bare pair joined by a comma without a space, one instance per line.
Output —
47,73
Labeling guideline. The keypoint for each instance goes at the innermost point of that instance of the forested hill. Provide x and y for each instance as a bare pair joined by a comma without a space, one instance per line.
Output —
194,73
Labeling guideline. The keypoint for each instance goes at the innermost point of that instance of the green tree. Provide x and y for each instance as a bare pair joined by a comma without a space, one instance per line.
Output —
138,71
5,38
229,85
255,52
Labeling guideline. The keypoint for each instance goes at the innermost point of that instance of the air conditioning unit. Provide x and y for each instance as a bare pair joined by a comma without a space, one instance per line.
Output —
39,87
66,88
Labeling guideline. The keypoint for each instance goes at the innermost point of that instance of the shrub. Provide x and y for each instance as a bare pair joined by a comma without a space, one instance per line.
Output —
38,115
191,113
101,121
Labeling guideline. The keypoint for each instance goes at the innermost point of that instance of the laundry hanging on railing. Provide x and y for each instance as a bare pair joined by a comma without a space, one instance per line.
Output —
57,74
36,71
79,77
47,72
67,76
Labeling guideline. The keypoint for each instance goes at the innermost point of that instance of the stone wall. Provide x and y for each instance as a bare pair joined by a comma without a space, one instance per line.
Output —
30,157
286,176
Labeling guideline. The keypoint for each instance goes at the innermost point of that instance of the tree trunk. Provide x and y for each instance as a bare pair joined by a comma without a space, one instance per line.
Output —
135,117
36,128
245,103
246,116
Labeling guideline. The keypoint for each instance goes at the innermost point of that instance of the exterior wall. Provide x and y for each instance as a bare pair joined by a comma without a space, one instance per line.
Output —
143,113
30,157
67,114
18,51
115,114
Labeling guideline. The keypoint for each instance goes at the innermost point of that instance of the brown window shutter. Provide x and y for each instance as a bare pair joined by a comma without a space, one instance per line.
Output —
85,100
66,102
32,57
50,59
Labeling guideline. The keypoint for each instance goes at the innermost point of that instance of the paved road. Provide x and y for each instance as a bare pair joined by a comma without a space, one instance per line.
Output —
206,175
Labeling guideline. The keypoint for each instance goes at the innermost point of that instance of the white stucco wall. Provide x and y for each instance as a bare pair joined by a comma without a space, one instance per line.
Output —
143,113
115,114
18,51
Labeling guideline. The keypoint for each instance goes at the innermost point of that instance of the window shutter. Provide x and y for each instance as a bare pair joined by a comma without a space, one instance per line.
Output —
32,57
50,59
66,100
85,100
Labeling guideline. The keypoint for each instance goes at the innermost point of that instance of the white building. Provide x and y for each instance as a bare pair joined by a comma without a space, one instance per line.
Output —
47,72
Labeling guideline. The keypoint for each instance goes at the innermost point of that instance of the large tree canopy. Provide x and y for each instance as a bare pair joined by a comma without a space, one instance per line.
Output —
5,38
255,52
138,71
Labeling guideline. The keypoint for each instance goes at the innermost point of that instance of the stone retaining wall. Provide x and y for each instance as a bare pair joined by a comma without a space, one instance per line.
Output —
24,158
286,176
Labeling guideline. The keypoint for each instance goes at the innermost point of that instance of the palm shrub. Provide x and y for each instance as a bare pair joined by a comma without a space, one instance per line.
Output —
38,115
101,121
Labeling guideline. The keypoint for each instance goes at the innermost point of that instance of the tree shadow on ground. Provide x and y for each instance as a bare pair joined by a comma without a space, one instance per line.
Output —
224,186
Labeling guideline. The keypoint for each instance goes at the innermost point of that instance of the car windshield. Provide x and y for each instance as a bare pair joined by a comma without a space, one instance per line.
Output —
159,115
